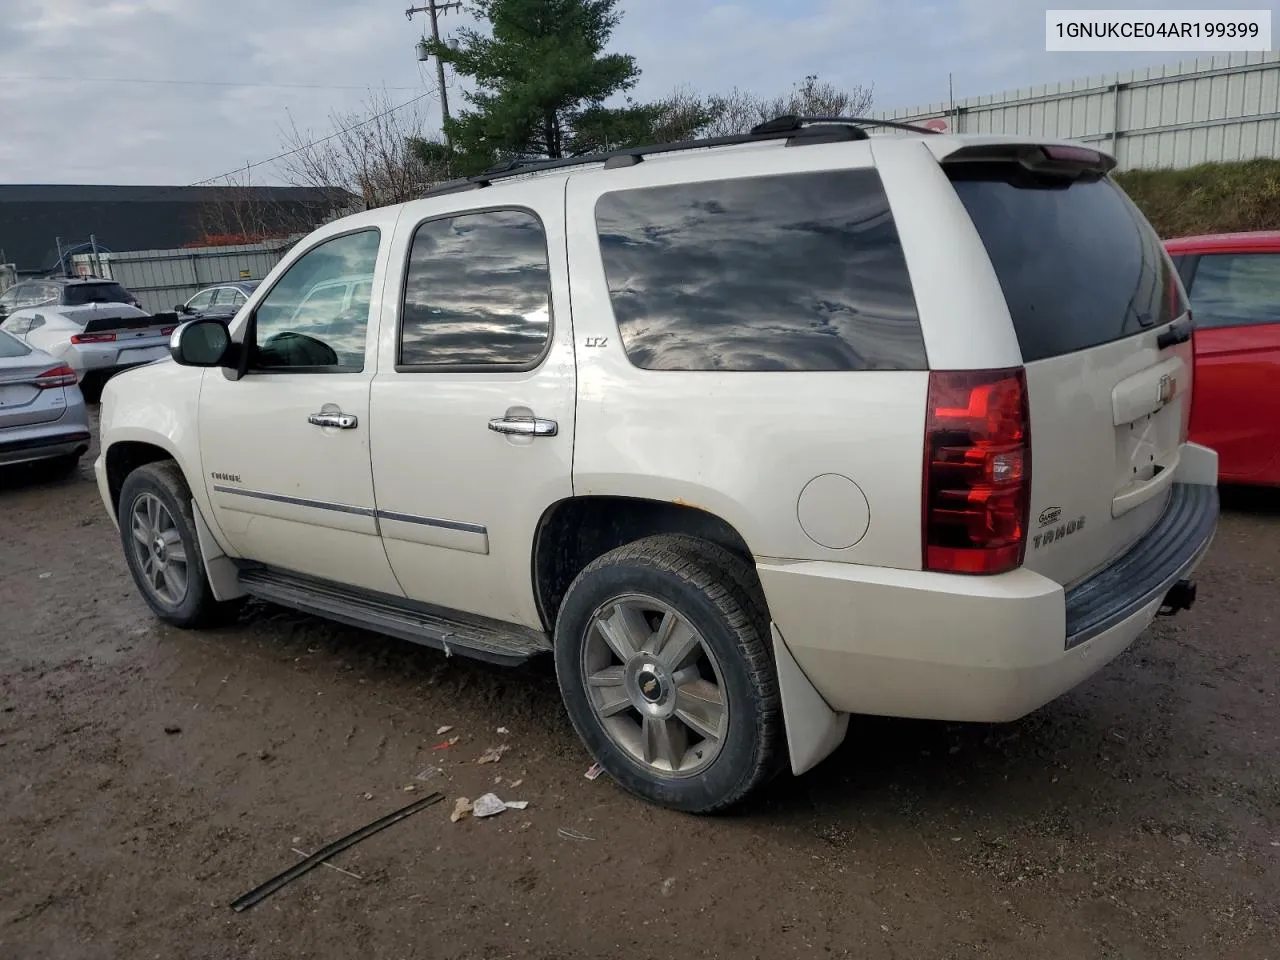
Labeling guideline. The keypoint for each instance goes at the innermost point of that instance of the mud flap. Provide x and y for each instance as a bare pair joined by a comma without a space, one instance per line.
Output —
814,730
224,575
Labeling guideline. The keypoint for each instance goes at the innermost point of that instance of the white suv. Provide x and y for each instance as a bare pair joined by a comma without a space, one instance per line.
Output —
750,436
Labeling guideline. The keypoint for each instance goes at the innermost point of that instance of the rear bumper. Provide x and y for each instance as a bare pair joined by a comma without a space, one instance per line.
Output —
1149,569
109,358
909,643
44,443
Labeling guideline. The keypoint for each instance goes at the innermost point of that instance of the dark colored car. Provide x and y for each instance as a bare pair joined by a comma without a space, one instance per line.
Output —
64,292
218,302
1234,284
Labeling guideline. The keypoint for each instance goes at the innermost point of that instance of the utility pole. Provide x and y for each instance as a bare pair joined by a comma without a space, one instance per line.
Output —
433,9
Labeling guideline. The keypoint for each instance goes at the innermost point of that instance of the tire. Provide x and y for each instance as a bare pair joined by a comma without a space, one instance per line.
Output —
162,484
727,686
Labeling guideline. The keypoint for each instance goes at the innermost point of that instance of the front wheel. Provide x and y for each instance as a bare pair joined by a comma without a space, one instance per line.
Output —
158,533
663,660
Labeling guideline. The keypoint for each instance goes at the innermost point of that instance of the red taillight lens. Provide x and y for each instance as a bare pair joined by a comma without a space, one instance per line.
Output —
165,331
93,338
62,376
977,471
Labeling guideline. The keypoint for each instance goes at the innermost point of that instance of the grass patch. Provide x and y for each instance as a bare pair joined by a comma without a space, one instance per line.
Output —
1210,198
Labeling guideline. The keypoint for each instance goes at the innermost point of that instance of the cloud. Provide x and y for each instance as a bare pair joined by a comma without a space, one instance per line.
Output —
61,130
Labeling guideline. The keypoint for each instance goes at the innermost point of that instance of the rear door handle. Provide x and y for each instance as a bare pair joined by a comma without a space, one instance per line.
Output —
343,421
524,426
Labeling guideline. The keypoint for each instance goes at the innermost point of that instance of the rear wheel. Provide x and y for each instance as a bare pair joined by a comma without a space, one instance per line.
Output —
663,661
158,532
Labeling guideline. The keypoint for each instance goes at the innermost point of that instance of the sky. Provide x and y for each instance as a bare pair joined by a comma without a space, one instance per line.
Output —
240,72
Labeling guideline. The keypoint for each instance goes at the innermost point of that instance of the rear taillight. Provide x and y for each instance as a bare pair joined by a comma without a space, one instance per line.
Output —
93,338
62,376
165,331
977,471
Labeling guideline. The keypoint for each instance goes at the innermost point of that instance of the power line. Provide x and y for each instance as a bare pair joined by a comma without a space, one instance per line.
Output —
314,143
190,83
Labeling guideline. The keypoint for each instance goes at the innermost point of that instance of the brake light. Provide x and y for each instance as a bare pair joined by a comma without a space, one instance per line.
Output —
977,471
1067,154
93,338
62,376
165,331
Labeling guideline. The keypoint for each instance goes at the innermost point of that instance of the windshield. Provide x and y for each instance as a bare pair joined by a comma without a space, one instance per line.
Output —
81,293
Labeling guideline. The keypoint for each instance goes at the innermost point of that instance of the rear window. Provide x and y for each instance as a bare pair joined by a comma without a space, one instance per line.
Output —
77,295
1078,264
795,272
11,347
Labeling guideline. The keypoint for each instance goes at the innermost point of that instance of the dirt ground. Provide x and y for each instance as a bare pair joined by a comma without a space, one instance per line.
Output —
148,776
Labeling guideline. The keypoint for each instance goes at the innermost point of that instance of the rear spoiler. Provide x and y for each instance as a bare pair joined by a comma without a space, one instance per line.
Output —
1048,159
104,324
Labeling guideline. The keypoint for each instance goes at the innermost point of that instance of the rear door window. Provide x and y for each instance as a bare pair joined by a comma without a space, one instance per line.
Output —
1236,289
1078,264
800,271
477,294
201,301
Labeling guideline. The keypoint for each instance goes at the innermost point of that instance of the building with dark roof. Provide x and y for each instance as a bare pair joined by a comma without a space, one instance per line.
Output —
34,218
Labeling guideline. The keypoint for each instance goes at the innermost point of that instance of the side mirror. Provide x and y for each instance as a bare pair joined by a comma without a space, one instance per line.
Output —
200,343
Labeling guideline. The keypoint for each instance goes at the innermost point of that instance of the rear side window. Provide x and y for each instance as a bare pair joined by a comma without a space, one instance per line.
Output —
795,272
1236,289
1078,264
10,347
77,295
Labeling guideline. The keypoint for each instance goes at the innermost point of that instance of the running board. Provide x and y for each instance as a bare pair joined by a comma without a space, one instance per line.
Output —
447,630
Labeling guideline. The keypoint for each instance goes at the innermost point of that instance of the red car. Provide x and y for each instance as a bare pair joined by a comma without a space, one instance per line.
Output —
1233,280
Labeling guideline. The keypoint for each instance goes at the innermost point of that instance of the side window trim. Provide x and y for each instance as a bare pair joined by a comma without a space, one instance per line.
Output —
494,368
248,335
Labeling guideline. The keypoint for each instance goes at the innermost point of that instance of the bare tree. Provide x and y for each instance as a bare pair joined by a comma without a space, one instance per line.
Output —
733,113
739,110
369,153
814,98
237,213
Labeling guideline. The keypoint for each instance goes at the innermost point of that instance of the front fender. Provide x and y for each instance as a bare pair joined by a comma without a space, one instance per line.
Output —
159,405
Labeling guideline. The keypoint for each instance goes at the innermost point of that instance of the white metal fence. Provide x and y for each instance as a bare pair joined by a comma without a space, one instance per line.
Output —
1209,110
162,278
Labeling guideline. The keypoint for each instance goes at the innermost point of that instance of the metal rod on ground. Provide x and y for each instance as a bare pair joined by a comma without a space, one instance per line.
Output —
324,853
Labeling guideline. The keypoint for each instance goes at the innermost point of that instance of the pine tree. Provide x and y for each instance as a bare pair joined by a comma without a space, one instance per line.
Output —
541,79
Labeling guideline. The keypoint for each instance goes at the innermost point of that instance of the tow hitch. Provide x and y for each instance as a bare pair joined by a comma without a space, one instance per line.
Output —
1180,597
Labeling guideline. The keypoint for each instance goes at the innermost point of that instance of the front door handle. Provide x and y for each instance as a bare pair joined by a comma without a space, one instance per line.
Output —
343,421
524,426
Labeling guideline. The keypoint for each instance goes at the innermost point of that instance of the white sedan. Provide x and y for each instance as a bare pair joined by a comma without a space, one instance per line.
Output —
92,325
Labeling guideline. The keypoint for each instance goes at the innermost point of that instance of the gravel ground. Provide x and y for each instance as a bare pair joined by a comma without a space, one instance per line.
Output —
148,776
